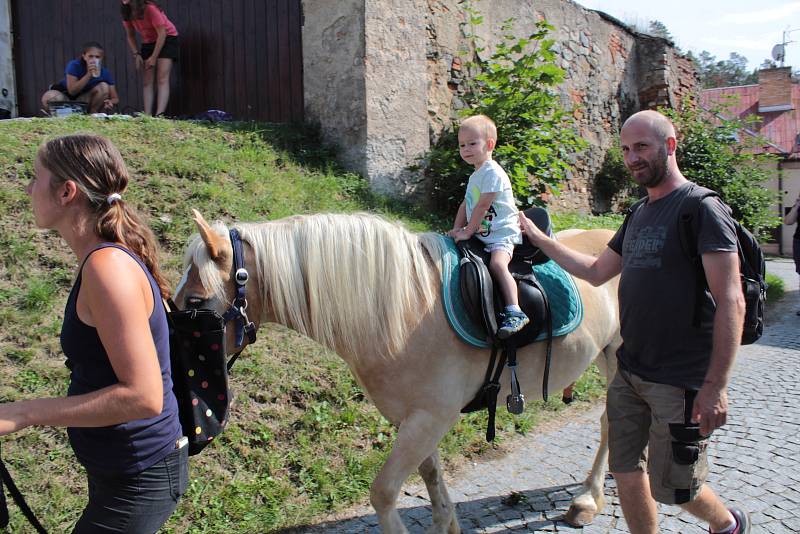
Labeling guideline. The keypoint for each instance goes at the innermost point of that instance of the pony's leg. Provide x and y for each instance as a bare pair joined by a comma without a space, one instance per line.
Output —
417,438
442,509
591,499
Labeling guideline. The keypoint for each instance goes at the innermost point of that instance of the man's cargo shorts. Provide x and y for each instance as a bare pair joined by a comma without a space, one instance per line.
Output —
649,427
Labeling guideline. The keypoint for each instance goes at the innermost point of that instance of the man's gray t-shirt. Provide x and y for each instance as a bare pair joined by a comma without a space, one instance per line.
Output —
657,289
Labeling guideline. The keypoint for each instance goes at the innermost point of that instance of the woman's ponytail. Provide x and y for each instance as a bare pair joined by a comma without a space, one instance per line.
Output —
96,166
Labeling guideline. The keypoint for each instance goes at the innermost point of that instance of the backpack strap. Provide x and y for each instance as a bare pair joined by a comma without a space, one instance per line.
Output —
688,232
631,210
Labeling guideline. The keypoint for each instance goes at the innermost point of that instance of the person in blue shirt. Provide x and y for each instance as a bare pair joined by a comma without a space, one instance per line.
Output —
85,80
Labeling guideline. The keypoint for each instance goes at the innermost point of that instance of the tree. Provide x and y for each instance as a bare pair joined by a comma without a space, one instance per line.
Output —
516,87
659,29
723,73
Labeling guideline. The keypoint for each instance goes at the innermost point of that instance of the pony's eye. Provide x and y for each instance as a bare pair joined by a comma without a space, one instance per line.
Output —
194,302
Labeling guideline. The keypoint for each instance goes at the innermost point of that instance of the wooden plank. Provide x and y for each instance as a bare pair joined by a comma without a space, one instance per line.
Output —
283,57
273,86
253,55
262,66
296,60
239,59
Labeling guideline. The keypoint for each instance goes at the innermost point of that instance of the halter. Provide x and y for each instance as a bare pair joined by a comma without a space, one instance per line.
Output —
237,310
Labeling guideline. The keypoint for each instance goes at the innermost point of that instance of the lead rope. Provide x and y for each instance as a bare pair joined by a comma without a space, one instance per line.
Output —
18,498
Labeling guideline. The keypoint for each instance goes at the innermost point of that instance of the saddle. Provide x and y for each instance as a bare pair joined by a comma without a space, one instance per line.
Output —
483,305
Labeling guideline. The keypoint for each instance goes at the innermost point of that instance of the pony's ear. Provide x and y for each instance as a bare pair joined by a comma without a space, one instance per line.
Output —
214,243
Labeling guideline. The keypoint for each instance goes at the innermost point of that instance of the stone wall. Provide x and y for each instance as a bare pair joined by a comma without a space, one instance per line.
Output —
414,57
8,94
611,72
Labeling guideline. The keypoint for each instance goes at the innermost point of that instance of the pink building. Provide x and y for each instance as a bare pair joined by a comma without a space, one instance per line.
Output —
775,100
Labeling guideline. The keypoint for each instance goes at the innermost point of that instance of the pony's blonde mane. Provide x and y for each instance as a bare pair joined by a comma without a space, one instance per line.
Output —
351,282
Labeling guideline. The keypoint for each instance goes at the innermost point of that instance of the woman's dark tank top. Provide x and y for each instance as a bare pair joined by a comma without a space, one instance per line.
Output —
130,447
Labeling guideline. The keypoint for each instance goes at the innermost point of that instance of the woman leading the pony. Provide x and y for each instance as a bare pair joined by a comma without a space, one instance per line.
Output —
120,412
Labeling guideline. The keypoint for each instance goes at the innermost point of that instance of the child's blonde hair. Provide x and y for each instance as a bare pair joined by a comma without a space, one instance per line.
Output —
483,124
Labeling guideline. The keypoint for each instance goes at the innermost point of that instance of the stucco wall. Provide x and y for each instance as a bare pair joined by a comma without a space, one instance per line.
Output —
334,79
396,86
8,96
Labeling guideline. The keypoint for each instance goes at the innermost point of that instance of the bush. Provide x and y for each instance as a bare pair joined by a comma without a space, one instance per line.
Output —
713,152
613,182
536,144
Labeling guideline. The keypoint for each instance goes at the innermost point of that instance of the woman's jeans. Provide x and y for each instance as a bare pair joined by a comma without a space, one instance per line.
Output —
136,504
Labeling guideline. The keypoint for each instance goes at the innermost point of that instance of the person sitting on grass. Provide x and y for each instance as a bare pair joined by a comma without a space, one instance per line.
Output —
85,80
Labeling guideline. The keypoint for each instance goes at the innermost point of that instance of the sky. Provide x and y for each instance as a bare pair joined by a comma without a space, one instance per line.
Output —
748,27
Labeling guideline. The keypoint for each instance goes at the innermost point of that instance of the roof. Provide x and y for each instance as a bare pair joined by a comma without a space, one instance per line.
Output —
780,128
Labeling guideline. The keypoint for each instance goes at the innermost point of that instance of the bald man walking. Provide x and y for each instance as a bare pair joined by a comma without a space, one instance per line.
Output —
670,392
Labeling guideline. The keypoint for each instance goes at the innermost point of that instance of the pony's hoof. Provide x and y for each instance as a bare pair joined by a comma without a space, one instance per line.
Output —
578,517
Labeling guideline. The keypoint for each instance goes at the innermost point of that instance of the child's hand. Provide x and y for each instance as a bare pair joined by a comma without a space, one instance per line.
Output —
459,234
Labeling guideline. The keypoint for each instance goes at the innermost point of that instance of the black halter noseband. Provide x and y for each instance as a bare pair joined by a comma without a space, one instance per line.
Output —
237,311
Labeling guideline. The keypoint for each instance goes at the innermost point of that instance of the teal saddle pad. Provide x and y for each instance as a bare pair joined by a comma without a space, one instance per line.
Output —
566,306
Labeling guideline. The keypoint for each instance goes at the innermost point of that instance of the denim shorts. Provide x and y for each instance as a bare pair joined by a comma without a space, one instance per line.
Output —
139,503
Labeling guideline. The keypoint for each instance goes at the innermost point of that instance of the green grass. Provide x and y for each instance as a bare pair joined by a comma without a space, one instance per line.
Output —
303,440
776,288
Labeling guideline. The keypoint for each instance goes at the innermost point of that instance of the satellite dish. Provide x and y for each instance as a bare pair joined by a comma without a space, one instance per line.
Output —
778,52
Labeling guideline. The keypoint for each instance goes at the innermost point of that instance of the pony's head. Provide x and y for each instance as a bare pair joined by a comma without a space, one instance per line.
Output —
208,279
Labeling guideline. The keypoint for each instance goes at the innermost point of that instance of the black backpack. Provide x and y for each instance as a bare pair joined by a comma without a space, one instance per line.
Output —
751,262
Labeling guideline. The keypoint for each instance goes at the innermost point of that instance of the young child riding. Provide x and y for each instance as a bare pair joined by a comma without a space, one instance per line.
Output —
489,212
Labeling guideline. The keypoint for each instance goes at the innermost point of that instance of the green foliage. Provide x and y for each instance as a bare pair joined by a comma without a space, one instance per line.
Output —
776,288
714,152
723,73
659,29
536,144
613,182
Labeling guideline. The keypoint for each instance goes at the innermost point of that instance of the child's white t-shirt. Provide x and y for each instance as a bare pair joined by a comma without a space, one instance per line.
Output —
501,223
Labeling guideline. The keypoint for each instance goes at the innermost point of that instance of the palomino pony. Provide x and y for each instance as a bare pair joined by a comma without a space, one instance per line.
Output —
369,290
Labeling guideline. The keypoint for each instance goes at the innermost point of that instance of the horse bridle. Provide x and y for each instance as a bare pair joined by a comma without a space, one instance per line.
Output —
237,311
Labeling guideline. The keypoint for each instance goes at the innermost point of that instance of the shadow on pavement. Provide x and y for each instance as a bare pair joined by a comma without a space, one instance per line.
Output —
540,509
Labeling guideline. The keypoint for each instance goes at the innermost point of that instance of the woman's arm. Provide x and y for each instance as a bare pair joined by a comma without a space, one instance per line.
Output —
130,36
162,36
115,298
75,85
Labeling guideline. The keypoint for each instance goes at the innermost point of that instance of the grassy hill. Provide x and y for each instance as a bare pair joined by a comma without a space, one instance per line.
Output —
302,440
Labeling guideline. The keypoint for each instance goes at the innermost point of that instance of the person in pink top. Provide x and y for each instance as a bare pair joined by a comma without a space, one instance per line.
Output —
159,49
